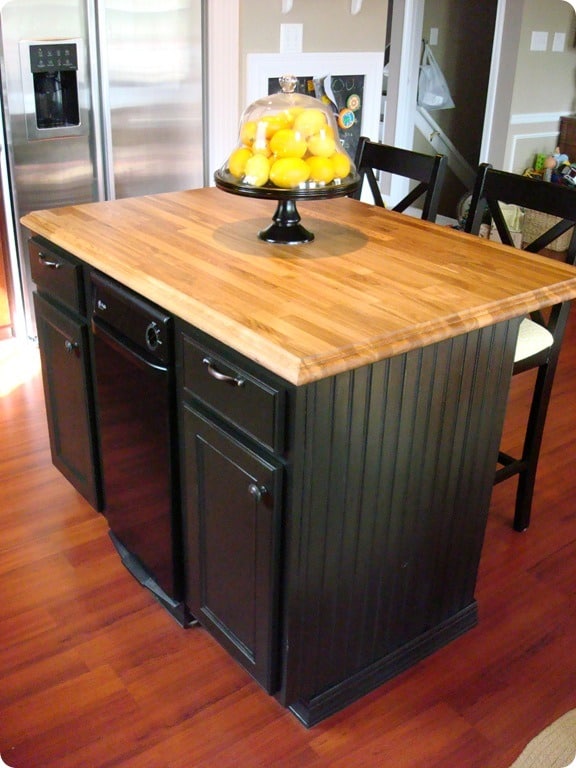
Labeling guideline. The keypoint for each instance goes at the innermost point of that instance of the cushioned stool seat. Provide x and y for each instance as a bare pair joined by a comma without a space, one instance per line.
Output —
532,339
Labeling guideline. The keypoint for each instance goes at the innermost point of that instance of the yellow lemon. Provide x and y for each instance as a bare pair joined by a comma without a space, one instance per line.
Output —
321,169
237,161
287,143
261,147
289,172
326,131
260,142
322,145
256,171
291,114
248,132
310,121
274,123
341,165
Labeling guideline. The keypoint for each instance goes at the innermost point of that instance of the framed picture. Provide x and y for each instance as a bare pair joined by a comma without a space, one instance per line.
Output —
350,82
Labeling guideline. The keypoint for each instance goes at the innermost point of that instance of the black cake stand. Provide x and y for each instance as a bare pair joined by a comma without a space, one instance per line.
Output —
285,228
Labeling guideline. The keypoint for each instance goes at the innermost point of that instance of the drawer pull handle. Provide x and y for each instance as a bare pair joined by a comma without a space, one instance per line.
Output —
235,381
48,262
258,491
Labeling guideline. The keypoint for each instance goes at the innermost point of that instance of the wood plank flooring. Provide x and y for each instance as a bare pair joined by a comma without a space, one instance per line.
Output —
94,673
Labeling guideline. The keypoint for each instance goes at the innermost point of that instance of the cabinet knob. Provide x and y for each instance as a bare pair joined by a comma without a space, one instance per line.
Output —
258,491
70,346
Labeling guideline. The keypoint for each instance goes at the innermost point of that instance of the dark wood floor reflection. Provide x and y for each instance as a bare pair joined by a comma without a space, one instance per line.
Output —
94,673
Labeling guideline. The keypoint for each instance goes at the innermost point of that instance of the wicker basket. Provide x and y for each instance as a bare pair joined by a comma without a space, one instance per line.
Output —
536,223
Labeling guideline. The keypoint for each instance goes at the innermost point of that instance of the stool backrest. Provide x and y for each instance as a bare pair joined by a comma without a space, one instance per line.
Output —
493,187
427,170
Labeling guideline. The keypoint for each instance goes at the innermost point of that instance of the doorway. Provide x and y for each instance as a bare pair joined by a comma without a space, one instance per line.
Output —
467,36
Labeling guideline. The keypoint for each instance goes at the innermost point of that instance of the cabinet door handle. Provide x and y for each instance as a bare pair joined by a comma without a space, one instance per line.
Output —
258,491
48,262
235,381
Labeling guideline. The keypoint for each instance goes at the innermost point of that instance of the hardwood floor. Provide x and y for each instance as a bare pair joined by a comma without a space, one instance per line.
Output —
95,673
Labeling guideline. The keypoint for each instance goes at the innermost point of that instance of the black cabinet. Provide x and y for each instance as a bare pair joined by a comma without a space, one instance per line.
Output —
232,492
63,337
232,544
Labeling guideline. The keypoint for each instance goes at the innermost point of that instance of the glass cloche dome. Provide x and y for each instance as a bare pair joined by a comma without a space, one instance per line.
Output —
288,149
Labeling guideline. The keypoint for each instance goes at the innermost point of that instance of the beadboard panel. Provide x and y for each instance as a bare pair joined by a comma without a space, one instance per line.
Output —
392,485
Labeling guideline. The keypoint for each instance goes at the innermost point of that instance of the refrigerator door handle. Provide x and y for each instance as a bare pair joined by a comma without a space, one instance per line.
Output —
96,23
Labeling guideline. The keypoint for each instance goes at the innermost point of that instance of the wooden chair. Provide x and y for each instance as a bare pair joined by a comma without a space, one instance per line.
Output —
428,170
540,337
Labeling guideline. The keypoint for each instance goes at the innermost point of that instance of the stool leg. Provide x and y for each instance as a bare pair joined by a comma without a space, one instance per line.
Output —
533,442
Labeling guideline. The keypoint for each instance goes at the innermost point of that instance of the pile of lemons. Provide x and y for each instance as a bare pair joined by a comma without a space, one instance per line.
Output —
288,149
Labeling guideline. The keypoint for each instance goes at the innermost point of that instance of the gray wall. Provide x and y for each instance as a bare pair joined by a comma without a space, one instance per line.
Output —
544,86
327,26
545,81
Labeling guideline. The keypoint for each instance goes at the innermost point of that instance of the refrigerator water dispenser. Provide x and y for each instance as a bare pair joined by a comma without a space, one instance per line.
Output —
50,79
54,70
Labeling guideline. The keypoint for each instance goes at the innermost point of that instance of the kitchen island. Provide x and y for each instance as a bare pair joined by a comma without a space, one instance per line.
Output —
336,471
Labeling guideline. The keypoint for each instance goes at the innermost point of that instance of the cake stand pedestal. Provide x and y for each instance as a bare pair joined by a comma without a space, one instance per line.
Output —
286,228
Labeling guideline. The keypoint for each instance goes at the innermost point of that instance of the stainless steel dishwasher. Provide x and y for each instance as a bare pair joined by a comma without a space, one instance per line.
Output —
134,371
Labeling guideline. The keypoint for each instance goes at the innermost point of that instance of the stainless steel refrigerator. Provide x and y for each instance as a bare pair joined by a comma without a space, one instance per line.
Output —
101,99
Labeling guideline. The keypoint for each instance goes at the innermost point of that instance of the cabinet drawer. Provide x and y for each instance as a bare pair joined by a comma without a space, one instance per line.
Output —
58,274
252,405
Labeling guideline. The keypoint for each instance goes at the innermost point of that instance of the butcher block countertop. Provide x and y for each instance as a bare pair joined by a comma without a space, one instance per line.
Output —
371,285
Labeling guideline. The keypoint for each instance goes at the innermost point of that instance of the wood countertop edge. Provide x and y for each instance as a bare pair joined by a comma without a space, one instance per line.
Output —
311,370
295,369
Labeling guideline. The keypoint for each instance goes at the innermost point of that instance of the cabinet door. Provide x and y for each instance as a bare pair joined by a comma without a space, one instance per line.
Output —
231,502
64,353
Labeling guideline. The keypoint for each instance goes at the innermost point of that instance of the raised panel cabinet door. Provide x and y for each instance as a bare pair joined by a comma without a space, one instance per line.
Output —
232,500
63,344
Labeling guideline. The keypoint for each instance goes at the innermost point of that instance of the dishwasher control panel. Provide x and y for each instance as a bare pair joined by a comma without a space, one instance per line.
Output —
130,318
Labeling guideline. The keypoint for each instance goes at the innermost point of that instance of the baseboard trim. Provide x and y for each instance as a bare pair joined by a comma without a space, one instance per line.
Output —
312,711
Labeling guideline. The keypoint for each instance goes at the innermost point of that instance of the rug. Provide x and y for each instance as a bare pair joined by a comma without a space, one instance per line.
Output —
555,747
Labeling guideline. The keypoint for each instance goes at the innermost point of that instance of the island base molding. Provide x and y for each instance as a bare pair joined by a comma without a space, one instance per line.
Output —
348,691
